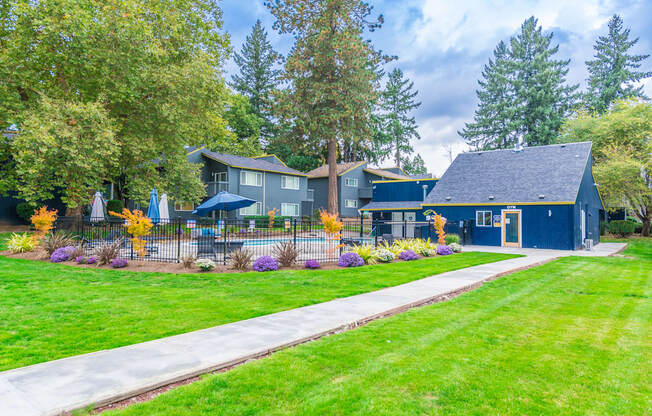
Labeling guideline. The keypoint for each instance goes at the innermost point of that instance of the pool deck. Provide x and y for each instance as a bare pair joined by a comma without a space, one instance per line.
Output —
103,377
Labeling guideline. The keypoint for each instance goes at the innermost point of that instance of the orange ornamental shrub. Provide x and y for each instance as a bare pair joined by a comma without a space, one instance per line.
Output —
333,228
439,229
43,221
138,225
271,214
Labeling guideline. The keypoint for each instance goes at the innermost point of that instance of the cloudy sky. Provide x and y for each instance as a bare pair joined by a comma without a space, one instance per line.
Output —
442,45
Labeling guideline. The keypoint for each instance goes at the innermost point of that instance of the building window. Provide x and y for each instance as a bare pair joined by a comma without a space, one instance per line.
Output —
254,209
483,218
352,182
250,178
290,182
289,210
351,203
184,206
219,177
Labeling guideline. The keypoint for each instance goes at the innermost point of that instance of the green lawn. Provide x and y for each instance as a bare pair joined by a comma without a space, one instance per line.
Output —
3,240
571,337
639,247
50,311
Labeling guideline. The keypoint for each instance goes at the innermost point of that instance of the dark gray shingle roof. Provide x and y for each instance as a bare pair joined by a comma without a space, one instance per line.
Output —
392,205
250,163
554,171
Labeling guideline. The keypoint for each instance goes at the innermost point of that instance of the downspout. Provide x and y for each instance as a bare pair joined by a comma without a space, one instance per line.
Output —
264,193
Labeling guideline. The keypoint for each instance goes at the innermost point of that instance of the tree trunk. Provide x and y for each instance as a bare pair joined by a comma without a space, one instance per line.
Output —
398,156
646,228
333,206
74,212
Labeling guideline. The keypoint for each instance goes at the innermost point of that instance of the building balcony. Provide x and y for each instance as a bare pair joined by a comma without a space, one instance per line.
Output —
213,188
365,193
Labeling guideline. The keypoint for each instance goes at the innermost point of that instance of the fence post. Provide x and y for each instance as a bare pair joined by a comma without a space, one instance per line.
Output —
374,227
404,228
225,240
178,240
361,226
294,220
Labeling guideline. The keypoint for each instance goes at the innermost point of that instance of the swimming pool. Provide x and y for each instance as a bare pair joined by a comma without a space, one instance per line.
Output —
267,241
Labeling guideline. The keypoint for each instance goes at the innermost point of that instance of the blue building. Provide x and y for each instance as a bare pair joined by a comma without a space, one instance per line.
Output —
265,179
538,197
354,185
399,201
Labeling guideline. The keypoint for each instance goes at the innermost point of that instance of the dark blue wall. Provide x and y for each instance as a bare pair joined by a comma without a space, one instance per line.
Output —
543,226
588,199
401,190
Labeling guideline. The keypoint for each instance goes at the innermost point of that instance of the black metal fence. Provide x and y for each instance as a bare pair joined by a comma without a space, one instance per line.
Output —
177,239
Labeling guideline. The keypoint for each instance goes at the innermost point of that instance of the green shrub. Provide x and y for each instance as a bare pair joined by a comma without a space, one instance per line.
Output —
452,238
25,210
20,243
622,228
114,205
366,252
603,227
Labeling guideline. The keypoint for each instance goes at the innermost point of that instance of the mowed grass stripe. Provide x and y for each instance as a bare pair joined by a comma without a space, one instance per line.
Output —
569,337
50,311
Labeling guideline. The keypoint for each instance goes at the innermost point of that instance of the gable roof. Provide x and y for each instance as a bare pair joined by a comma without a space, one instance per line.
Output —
342,168
270,158
514,177
250,163
386,174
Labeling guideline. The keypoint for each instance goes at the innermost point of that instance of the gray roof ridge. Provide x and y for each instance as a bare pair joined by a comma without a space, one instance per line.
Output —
530,147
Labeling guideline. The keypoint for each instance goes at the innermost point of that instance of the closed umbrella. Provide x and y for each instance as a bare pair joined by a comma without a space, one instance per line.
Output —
97,210
152,211
164,209
223,201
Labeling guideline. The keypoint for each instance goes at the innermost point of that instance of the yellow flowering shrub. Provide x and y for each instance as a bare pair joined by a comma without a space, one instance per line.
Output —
43,220
439,229
333,228
138,225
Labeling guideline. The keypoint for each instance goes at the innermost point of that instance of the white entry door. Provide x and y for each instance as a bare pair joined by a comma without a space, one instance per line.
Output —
410,217
397,224
583,225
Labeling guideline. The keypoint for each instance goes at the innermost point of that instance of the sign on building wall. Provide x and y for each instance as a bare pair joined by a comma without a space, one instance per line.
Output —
497,220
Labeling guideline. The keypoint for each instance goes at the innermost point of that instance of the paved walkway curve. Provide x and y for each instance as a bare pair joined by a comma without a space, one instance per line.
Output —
103,377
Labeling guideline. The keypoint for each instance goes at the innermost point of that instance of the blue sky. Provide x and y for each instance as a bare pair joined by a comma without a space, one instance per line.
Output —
443,45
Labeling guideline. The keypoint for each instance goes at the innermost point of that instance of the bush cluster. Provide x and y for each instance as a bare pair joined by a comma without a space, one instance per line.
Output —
205,265
444,250
21,243
408,255
265,263
350,259
622,228
119,263
312,264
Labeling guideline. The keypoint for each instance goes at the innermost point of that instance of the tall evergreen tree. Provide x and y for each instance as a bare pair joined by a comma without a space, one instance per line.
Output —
613,71
258,75
494,125
523,94
329,72
397,103
415,166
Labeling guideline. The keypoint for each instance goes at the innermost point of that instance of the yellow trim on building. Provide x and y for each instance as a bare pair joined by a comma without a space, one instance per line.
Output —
256,169
499,204
348,170
196,150
268,155
406,180
391,209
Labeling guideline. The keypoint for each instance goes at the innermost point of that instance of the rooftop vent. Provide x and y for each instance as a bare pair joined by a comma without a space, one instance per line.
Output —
563,145
491,197
541,196
448,198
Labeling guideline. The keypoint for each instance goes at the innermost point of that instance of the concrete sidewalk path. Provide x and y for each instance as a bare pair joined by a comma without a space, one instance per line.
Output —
104,377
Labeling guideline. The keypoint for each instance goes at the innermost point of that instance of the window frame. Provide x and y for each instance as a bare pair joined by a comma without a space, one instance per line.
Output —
292,204
353,200
258,204
284,180
355,180
484,222
244,173
179,204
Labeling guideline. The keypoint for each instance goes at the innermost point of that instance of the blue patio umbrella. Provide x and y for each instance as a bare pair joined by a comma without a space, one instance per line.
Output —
223,201
152,211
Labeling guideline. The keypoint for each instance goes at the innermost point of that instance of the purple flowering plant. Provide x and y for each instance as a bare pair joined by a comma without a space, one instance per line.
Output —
312,264
119,263
350,259
265,263
62,254
408,255
80,260
91,260
444,250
